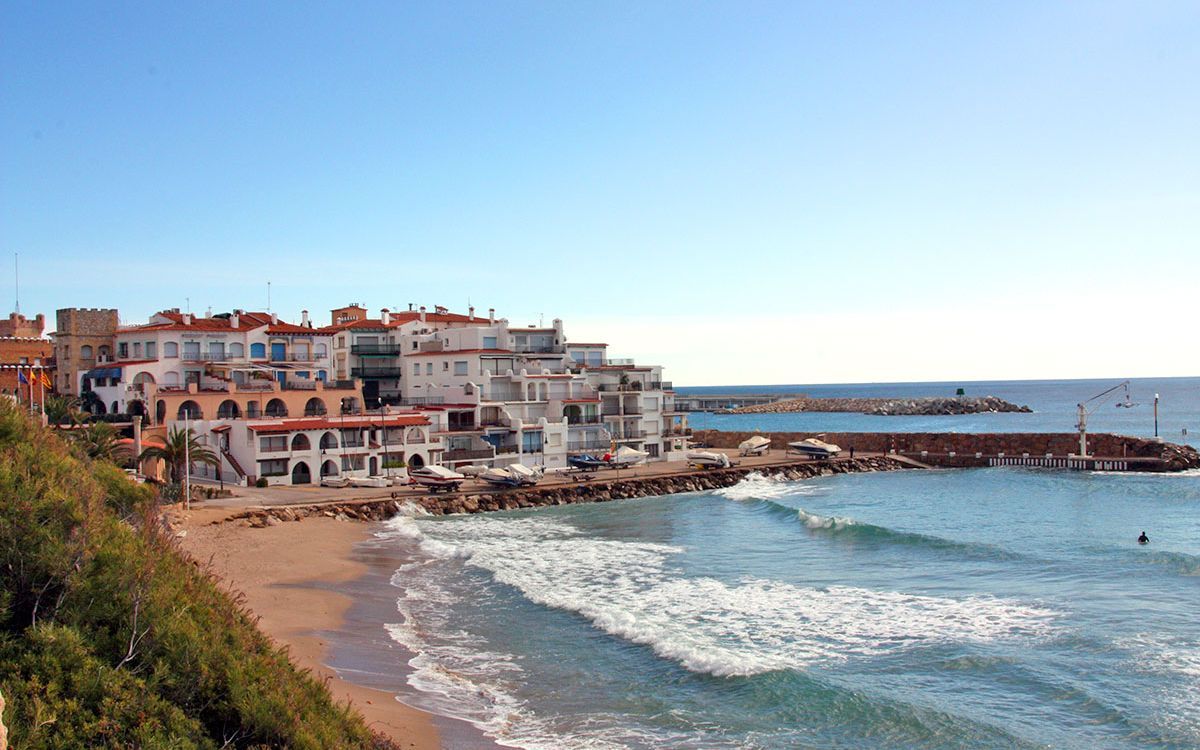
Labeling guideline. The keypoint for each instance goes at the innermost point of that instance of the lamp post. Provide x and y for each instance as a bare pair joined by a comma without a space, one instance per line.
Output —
187,460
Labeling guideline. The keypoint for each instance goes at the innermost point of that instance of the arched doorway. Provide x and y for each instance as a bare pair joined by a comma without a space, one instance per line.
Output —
301,474
573,413
301,443
228,409
415,461
189,410
373,465
135,408
276,408
329,442
315,408
329,469
160,412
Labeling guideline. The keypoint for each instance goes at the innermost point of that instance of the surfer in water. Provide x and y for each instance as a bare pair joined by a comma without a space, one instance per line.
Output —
1143,539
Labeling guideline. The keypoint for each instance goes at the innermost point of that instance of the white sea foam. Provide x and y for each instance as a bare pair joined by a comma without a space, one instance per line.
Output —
1177,662
756,486
707,625
814,521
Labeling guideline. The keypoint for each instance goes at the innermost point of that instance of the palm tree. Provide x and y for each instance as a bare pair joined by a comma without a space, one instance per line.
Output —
181,445
100,441
60,409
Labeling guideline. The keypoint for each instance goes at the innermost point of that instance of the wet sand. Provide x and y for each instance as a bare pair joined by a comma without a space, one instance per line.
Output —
296,578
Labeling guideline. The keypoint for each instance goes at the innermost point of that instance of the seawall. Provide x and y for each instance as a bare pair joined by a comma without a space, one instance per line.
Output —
594,491
953,449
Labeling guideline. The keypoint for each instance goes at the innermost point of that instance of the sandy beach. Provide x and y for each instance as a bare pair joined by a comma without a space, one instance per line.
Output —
288,574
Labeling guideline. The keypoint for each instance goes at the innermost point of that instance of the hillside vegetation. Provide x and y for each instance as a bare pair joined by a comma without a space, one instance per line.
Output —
111,638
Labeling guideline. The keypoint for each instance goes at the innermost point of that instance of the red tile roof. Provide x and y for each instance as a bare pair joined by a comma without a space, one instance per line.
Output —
400,318
335,423
247,321
462,351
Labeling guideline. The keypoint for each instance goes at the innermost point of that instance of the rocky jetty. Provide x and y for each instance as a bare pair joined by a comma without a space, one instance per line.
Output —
890,406
596,491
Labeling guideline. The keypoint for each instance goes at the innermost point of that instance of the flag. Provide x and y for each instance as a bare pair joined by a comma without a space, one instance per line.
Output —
46,380
21,377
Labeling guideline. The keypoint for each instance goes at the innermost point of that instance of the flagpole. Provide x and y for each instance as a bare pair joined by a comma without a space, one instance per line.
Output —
42,391
187,461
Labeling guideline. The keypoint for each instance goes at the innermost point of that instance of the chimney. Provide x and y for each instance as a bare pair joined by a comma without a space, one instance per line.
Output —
235,319
410,307
187,319
491,315
208,312
274,319
385,315
304,318
471,312
422,313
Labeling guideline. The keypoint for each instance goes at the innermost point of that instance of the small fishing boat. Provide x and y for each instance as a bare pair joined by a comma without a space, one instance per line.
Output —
626,456
500,477
814,448
525,476
436,478
754,446
586,462
708,460
335,482
369,482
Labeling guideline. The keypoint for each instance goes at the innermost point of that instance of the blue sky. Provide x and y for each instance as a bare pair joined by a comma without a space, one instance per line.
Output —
650,172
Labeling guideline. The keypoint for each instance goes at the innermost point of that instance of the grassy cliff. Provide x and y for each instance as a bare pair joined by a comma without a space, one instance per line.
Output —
110,638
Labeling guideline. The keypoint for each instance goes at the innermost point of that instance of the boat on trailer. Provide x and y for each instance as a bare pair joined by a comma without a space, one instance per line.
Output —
754,446
814,448
708,460
626,456
436,478
586,462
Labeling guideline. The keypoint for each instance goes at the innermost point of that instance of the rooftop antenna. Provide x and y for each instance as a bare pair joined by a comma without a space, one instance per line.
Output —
268,296
541,320
188,304
17,279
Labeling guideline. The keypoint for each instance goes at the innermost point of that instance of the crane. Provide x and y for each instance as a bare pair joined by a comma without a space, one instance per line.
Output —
1084,412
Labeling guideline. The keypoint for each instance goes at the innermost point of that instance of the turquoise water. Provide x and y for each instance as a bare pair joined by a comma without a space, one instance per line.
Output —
1054,404
990,608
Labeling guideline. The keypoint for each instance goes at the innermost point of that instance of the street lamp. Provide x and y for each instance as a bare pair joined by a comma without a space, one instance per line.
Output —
1156,415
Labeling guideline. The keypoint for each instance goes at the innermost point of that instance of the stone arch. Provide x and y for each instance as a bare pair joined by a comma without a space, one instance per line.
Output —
415,461
276,408
143,379
329,469
301,443
116,407
414,435
329,441
135,408
85,351
189,410
228,409
301,473
315,408
373,466
160,412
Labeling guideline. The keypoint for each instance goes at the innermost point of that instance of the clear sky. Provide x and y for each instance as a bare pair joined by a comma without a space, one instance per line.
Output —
743,192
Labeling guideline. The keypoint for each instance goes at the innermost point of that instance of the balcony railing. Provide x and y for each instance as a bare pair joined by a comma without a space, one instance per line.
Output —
588,445
375,350
504,396
300,385
468,454
375,372
544,349
677,431
573,419
295,357
414,400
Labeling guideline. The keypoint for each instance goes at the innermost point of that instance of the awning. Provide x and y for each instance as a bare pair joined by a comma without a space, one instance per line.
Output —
103,372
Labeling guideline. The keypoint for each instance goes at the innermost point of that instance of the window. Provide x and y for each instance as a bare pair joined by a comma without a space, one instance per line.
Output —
531,442
258,351
122,350
428,368
341,342
104,352
276,467
414,346
137,348
445,365
652,449
489,342
191,350
320,351
216,351
85,352
237,350
152,350
416,368
170,350
271,443
460,368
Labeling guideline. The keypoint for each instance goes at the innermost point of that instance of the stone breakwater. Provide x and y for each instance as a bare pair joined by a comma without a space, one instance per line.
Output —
596,491
959,449
905,407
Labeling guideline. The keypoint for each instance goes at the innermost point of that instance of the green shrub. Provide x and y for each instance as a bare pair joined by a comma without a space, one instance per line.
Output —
260,482
109,637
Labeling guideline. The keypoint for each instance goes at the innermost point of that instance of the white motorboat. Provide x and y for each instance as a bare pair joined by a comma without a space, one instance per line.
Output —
473,470
754,446
338,482
369,482
436,478
814,448
708,460
626,456
499,476
524,475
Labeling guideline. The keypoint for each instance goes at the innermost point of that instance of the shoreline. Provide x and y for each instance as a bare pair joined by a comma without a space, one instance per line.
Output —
294,578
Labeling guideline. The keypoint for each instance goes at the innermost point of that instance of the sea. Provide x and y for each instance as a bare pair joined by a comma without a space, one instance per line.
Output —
983,608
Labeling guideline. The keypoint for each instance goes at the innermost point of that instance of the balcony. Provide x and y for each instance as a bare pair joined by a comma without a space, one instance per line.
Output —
375,372
414,400
294,357
577,446
504,396
375,350
300,385
528,349
468,454
574,419
677,432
